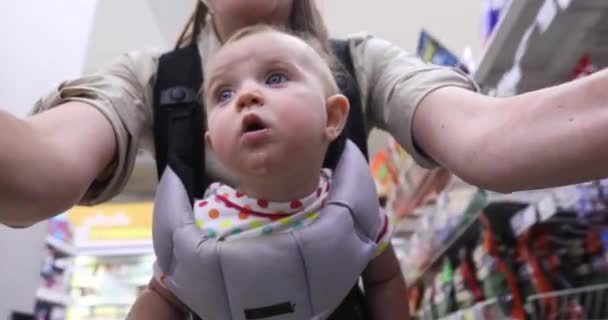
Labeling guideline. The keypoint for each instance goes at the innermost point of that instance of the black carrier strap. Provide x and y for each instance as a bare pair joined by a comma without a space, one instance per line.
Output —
179,121
355,129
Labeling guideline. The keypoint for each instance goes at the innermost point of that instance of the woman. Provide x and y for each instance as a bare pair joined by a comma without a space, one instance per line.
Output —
85,135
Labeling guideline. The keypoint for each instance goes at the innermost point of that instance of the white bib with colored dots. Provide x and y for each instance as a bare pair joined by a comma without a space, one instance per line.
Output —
226,214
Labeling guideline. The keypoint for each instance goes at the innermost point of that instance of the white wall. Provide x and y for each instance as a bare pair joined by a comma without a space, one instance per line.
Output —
455,23
43,42
122,26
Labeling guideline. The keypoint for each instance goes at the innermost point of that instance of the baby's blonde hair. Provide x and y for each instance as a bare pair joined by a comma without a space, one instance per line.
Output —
326,56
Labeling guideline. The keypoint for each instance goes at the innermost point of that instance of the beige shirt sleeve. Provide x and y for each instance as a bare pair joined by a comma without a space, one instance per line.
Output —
393,82
122,91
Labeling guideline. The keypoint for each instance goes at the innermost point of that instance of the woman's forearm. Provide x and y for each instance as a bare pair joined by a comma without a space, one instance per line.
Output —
48,161
17,195
545,138
552,137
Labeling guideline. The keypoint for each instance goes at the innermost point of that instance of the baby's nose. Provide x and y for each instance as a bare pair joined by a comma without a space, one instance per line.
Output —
249,98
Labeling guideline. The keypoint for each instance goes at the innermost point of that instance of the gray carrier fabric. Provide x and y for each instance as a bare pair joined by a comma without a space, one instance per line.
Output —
299,274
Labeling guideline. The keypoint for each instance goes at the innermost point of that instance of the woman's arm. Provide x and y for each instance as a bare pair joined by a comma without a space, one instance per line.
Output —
385,290
545,138
49,160
157,303
80,145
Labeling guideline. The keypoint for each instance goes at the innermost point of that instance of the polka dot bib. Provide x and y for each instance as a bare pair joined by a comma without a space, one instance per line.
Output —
226,214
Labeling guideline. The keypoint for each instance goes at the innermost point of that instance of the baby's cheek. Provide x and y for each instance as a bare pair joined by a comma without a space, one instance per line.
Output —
223,147
308,123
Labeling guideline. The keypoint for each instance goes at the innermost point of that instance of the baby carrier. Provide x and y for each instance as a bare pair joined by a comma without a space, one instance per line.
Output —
179,127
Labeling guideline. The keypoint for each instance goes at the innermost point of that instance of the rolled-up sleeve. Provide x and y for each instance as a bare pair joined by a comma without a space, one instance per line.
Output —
122,92
393,82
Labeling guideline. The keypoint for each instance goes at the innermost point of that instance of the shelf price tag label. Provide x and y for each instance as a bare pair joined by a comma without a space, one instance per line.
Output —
547,208
523,220
529,217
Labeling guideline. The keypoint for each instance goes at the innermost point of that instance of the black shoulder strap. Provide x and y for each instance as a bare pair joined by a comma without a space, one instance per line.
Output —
179,120
355,125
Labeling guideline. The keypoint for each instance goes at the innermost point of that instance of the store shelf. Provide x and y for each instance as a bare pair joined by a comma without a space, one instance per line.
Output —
132,248
464,234
63,263
544,209
61,246
537,43
479,311
104,301
53,296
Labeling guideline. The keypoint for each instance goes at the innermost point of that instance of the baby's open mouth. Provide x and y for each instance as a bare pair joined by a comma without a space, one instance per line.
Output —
252,123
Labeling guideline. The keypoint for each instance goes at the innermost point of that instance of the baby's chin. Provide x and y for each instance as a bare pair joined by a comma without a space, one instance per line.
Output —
272,160
259,163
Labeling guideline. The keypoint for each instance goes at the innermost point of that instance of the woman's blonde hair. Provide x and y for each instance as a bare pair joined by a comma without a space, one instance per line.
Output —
305,18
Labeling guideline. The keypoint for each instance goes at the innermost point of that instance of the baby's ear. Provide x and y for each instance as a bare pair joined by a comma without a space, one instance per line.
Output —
208,140
337,113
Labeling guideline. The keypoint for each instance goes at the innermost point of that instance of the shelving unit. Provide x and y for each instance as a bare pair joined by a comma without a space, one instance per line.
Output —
52,296
105,286
110,259
60,246
463,234
536,44
96,302
131,248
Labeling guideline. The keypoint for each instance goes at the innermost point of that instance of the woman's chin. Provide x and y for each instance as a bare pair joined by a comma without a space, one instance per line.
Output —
260,11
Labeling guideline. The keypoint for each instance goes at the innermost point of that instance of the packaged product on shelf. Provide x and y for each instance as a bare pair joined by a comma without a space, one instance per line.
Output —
583,67
428,309
468,288
386,166
491,12
537,270
385,173
49,311
432,51
415,297
565,254
52,297
418,187
60,228
496,275
444,290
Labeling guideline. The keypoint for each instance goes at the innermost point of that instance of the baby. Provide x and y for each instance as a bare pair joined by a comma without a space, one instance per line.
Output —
273,108
272,112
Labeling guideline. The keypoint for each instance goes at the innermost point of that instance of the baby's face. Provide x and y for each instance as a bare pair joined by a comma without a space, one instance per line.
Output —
266,104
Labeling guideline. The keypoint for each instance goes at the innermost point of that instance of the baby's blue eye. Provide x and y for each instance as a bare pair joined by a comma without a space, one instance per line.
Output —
224,95
276,78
